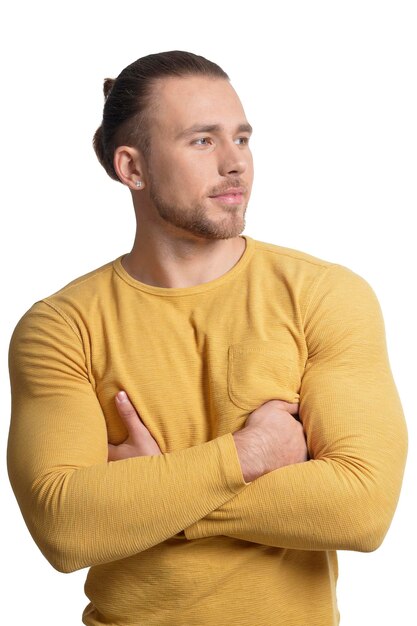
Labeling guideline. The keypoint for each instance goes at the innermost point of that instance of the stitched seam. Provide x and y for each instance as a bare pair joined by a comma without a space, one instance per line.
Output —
65,318
295,255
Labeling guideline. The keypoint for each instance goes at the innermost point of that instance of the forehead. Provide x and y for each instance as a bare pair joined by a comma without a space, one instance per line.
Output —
183,102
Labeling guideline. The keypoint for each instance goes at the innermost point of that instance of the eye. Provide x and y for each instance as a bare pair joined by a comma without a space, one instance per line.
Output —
198,142
244,140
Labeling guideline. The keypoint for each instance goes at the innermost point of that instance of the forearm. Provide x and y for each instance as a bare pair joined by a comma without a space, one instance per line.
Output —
356,435
317,505
87,516
80,509
342,499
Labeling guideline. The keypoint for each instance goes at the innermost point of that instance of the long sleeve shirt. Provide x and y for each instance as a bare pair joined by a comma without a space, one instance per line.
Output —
181,538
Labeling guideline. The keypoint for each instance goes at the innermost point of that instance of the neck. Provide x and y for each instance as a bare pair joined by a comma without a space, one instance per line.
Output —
180,259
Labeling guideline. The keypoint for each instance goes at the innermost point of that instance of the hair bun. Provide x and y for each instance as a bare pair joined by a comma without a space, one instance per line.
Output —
108,86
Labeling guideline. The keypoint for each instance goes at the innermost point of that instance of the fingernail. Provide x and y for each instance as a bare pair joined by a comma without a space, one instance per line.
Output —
121,396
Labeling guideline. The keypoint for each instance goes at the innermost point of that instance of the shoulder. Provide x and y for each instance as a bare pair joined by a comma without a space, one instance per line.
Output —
311,278
288,259
86,294
311,274
289,256
66,307
298,270
97,278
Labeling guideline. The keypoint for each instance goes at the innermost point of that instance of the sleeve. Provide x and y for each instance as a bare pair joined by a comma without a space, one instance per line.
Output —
80,509
346,495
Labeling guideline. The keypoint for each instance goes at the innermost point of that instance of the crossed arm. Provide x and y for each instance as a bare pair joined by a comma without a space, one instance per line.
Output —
271,439
344,497
83,510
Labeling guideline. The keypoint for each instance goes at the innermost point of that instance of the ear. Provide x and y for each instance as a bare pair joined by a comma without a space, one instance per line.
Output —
129,165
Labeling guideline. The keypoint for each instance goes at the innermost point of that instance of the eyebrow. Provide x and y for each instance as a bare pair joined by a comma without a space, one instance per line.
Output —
211,128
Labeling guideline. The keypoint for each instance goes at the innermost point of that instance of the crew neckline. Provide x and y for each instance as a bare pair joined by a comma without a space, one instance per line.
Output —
188,291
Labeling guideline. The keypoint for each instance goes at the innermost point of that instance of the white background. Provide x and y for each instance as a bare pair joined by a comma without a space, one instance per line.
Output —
330,89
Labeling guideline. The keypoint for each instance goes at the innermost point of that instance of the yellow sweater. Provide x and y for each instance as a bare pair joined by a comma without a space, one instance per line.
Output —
180,539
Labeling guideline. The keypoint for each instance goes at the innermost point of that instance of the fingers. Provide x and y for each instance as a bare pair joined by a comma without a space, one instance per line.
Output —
128,413
112,452
139,441
290,407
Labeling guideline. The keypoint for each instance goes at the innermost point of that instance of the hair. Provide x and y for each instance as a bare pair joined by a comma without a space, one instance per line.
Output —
128,99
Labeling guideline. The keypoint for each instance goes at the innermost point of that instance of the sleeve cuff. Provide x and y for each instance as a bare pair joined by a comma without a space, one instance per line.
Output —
233,476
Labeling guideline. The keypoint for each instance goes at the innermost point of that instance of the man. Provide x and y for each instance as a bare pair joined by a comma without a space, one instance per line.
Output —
163,405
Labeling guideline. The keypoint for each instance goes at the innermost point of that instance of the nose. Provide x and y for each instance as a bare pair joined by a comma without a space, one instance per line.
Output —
232,159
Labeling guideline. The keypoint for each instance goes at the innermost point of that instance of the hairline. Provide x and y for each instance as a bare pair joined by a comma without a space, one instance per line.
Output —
143,118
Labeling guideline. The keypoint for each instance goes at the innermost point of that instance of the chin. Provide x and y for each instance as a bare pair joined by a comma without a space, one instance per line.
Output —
221,231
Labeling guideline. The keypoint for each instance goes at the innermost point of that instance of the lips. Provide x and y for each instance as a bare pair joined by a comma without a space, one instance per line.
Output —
232,191
233,198
230,196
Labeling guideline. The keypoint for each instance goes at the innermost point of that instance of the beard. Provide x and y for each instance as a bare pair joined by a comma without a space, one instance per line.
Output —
195,220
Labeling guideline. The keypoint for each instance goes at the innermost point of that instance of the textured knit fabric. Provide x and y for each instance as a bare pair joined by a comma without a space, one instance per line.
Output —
180,539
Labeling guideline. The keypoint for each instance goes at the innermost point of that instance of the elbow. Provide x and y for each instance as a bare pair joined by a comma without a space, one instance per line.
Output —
61,558
367,500
64,567
358,533
60,564
53,530
65,554
367,537
369,520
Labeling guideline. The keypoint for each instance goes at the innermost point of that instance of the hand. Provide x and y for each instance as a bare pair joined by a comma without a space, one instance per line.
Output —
271,438
139,441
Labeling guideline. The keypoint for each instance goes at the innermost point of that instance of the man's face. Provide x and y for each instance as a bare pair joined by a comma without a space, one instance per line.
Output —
199,150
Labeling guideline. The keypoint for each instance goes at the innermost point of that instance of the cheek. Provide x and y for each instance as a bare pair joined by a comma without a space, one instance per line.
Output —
250,164
165,175
188,177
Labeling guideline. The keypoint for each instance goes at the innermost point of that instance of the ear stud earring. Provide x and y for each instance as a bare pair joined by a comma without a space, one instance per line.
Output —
138,183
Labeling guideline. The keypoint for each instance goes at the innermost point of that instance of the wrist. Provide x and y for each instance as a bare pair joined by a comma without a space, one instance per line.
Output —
248,454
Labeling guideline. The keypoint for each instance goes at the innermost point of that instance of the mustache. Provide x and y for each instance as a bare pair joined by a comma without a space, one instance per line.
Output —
216,191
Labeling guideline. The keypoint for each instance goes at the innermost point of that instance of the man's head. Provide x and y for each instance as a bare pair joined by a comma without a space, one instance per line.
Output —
173,121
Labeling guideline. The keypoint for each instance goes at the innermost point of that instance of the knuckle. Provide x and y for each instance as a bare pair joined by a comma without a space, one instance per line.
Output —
280,404
128,412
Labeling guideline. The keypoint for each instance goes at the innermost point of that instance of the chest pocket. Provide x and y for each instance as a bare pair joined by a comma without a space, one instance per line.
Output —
259,371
